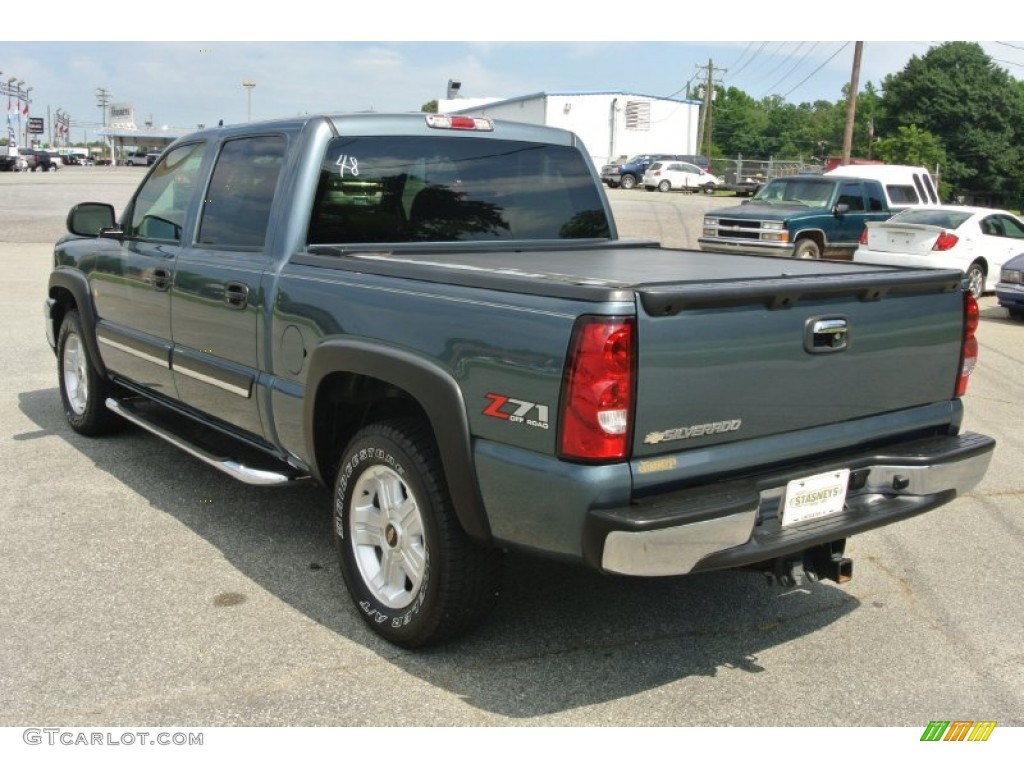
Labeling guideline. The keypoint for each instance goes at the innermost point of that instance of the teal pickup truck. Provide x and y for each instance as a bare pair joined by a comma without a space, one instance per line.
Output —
434,316
804,216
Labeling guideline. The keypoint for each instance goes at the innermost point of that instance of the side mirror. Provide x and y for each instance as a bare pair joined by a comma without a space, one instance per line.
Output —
840,209
90,219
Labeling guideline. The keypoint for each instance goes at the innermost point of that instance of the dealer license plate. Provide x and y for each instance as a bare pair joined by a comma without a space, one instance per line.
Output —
817,496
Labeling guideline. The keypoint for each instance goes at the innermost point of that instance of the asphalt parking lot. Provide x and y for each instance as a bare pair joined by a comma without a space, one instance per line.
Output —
141,587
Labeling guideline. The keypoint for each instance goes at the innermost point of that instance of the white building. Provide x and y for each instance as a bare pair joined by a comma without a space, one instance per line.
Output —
610,124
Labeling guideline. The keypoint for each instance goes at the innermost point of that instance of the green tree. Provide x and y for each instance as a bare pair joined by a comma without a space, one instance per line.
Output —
972,107
914,146
430,106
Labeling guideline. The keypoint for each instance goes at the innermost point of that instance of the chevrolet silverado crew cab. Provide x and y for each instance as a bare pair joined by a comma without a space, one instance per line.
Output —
434,316
805,216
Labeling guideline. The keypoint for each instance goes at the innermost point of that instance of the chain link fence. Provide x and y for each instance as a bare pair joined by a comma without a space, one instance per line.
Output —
745,176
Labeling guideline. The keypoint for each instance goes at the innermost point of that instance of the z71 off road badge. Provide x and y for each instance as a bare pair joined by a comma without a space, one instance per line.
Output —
517,411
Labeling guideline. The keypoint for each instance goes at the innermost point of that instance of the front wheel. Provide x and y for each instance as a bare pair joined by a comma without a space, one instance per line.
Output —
628,182
807,249
414,575
82,390
709,189
976,279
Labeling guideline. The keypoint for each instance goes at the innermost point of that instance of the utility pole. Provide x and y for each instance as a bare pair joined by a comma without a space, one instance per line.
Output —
102,100
705,116
851,103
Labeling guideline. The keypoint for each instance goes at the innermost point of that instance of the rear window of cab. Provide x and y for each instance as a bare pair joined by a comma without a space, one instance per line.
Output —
390,189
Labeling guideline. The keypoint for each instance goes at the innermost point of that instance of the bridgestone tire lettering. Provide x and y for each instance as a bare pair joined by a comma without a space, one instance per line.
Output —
413,574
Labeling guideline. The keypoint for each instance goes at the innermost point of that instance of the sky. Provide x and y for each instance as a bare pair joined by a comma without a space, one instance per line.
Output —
172,79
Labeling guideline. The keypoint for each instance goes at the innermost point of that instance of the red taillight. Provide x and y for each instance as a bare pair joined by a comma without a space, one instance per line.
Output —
655,173
945,241
864,236
969,348
597,399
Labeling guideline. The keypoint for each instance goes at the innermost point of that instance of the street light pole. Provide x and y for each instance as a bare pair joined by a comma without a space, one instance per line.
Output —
248,85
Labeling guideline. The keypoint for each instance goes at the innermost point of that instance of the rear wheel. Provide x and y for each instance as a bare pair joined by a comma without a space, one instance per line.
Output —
976,279
665,186
415,576
709,189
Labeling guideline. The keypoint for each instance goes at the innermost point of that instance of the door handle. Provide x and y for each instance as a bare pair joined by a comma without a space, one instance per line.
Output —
236,295
161,279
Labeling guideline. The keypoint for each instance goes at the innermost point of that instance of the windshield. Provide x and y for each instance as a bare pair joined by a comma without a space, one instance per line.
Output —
809,192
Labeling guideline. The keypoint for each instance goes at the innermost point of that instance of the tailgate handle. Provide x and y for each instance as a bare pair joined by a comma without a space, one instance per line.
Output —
824,335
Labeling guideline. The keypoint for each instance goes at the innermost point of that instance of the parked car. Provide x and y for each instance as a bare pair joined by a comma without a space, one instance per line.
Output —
30,157
976,240
14,163
630,173
1010,288
666,175
152,157
701,161
45,161
135,158
803,217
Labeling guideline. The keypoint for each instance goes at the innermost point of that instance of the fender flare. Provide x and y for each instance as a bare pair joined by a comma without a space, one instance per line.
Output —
77,285
435,391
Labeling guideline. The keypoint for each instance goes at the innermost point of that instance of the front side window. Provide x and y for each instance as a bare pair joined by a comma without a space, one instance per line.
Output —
852,195
158,212
387,189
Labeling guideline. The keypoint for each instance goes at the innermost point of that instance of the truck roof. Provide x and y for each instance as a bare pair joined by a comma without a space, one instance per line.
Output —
385,124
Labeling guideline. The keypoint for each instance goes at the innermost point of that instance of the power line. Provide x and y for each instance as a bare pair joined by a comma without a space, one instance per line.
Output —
792,70
838,51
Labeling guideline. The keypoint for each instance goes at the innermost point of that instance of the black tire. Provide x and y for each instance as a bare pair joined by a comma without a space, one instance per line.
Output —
709,189
83,391
975,276
665,186
414,575
806,249
627,181
1015,313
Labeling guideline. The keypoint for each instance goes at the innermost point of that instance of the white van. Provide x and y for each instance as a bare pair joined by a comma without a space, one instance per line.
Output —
906,186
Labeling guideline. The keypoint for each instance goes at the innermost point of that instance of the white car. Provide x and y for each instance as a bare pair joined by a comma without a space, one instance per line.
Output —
666,175
977,241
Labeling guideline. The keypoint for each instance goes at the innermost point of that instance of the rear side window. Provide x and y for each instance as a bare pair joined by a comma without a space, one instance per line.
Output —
236,209
902,193
390,189
875,201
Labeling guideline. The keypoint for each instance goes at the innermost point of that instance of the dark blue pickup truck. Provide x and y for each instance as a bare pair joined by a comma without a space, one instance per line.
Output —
435,317
805,216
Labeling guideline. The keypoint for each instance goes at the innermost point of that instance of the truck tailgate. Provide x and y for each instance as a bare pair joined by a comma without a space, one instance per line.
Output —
734,360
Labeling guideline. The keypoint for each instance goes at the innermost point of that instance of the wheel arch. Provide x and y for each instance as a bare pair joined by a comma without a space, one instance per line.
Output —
69,290
353,382
817,235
